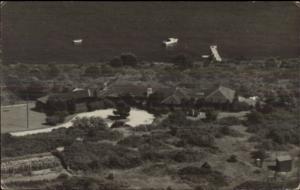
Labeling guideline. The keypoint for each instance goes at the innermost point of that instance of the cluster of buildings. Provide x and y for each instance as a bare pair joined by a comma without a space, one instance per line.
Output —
147,94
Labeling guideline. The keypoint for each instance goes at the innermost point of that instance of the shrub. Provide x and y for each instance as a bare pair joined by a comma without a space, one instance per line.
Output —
232,158
186,156
87,156
61,115
108,103
196,136
106,70
117,124
228,121
211,115
182,61
129,59
277,136
52,120
226,130
62,176
133,141
259,154
57,117
87,183
92,71
52,71
85,122
199,188
122,110
95,105
110,176
195,174
255,118
116,62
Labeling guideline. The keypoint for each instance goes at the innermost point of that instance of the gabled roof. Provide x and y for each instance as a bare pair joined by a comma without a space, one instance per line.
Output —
182,93
43,99
172,100
177,96
227,94
66,96
83,93
139,88
282,158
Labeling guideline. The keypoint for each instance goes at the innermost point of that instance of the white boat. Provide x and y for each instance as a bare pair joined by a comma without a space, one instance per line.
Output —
77,41
215,53
170,41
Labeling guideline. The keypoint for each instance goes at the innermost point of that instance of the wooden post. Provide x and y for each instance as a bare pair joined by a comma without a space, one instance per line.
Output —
27,113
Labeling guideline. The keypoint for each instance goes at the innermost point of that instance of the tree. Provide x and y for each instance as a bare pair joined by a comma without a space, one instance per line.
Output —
272,63
52,71
106,70
52,120
154,99
22,69
116,62
259,154
36,72
232,158
122,110
182,61
92,122
129,59
57,117
255,117
92,71
211,115
36,88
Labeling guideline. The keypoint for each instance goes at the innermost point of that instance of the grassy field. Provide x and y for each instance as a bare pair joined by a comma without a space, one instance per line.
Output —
13,118
240,29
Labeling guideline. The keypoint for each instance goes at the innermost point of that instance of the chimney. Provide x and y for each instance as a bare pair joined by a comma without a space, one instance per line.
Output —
105,85
149,91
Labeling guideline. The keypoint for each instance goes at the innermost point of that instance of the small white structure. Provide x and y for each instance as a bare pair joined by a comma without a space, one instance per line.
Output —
77,89
215,53
170,42
77,41
149,91
205,56
251,101
297,3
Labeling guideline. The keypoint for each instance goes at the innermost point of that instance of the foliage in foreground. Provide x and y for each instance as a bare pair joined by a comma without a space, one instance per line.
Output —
88,129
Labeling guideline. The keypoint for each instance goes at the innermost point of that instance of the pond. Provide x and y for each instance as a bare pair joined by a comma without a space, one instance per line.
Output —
136,117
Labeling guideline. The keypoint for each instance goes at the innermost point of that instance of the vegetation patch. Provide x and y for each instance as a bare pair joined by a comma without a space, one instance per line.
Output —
202,175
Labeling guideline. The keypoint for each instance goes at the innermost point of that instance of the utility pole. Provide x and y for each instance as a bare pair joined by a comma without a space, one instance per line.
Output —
27,113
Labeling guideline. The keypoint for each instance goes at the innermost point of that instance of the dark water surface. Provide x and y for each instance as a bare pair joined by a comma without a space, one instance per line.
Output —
43,31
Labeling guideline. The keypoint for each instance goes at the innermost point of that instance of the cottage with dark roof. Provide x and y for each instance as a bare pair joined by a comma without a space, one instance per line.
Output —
284,163
221,95
77,97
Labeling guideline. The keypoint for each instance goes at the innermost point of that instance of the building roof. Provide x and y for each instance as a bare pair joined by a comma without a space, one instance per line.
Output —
174,100
248,101
282,158
43,99
78,94
82,93
227,94
177,96
139,88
